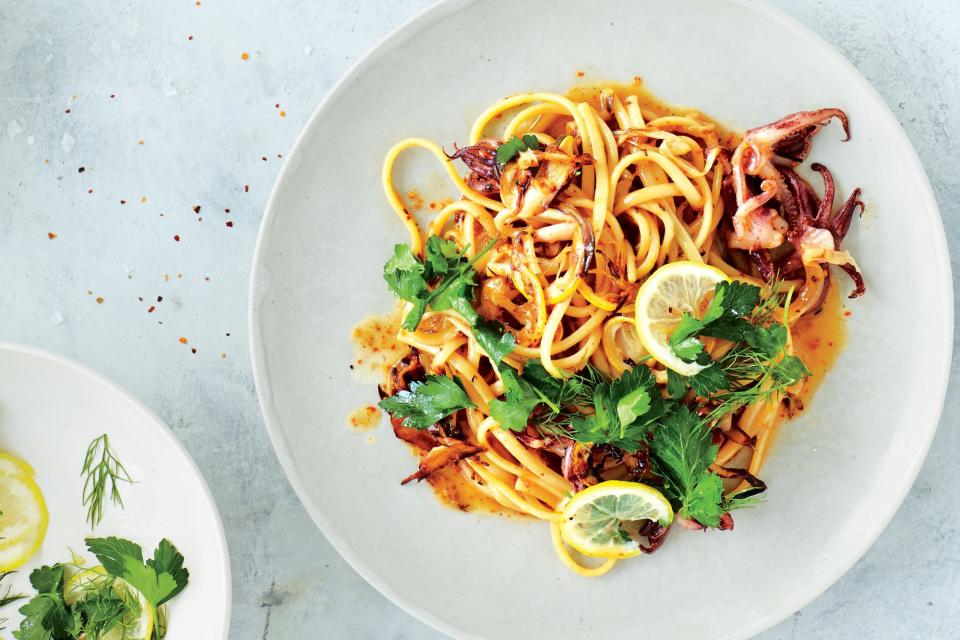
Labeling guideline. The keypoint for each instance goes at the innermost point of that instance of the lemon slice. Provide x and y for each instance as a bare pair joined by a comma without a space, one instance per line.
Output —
80,583
594,518
140,626
664,296
23,513
136,626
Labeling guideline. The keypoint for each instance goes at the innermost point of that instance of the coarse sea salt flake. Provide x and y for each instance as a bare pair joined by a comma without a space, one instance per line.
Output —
68,143
56,318
13,128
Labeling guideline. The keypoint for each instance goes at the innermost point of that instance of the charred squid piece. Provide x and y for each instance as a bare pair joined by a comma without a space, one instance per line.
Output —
556,445
528,193
481,159
726,522
838,223
816,235
656,535
786,141
576,466
791,137
587,249
408,369
439,457
422,440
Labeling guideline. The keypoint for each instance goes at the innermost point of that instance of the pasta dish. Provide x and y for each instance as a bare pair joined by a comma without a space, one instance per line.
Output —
602,328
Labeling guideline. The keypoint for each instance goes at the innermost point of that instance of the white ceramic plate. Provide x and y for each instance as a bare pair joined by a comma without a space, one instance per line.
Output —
836,476
50,410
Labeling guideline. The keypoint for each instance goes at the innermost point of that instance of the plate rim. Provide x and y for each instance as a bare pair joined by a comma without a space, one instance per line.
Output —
159,425
440,9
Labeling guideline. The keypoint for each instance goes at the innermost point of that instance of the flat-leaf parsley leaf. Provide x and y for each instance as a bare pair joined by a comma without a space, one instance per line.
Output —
427,402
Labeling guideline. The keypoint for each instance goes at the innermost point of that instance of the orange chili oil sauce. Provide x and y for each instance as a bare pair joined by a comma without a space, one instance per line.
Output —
818,339
376,346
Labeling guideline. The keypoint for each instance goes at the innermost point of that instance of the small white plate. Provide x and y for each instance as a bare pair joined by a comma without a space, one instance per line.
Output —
50,410
837,474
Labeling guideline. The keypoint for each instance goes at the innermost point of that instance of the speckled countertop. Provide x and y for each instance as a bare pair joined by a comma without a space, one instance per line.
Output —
138,144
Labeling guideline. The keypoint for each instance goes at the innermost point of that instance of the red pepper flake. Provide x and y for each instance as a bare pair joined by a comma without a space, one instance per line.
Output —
277,106
264,158
112,96
279,155
51,235
159,298
579,74
189,37
196,209
151,309
193,349
244,56
99,299
226,210
123,202
183,340
847,313
229,223
246,188
177,237
81,169
90,190
67,111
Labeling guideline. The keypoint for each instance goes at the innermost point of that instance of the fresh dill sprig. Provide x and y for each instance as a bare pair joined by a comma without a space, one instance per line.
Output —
103,473
8,597
771,298
761,368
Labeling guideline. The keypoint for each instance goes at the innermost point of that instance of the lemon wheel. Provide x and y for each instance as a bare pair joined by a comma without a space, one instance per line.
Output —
596,518
23,513
138,625
663,298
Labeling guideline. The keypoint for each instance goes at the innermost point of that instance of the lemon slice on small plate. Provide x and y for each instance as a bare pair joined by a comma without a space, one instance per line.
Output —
663,298
594,518
23,513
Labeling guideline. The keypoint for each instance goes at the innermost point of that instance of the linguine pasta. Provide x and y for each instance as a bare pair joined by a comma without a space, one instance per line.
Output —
611,187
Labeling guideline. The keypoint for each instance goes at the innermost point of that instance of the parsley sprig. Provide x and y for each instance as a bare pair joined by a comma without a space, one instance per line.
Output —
426,403
514,147
756,369
99,608
409,279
